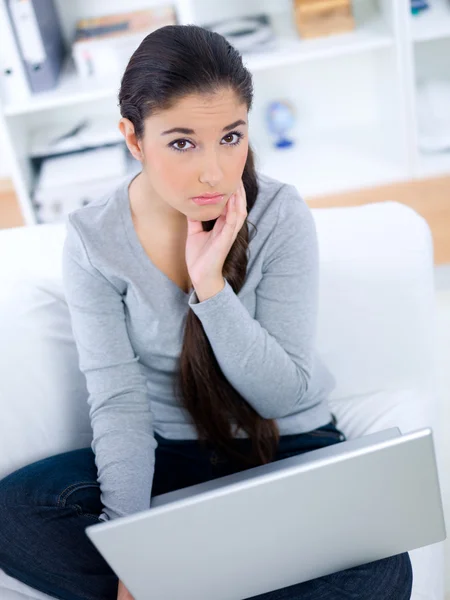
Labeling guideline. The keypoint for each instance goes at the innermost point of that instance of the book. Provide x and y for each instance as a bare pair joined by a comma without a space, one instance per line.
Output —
118,24
102,46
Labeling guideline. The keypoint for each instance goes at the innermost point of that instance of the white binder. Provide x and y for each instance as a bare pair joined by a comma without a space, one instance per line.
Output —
13,82
37,30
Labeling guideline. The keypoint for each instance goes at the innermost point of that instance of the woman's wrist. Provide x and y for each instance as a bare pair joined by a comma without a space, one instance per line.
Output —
208,289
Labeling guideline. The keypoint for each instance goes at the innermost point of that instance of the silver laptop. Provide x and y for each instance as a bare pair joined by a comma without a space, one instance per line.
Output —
283,523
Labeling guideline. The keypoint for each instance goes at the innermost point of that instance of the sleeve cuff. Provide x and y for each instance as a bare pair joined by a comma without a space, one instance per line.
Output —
211,303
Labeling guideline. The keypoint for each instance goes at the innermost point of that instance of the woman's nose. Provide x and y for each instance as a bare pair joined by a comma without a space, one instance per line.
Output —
211,173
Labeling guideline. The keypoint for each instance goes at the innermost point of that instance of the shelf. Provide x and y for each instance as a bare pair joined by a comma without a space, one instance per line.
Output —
335,161
71,90
433,23
433,165
369,34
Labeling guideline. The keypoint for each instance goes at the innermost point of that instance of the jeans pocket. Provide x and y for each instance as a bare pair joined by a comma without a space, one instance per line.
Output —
84,496
81,513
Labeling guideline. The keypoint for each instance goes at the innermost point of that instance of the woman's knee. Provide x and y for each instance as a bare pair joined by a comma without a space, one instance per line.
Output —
46,499
403,568
52,481
383,579
387,578
396,576
45,508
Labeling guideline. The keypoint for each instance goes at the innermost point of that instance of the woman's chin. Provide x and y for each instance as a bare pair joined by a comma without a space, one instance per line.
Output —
208,212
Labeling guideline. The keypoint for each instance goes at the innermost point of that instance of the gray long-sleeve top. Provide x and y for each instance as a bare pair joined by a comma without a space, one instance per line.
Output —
128,320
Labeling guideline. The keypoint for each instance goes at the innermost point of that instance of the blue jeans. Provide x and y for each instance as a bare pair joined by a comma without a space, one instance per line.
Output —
46,506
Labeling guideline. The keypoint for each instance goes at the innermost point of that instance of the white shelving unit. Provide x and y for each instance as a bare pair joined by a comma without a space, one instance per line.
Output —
432,24
354,93
430,58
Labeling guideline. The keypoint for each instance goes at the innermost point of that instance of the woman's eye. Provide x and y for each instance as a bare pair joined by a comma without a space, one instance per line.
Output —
180,145
229,138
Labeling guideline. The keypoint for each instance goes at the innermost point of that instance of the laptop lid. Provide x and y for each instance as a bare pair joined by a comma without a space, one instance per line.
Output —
283,523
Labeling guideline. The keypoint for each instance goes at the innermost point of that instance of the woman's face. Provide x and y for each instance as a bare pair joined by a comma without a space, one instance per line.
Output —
198,146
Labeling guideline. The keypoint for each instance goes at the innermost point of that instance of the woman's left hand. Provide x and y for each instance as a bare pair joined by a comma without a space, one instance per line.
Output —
206,251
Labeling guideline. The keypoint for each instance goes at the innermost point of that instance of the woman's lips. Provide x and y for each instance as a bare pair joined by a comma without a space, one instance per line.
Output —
203,200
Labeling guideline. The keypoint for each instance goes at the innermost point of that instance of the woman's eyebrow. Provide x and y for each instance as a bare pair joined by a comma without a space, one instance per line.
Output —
192,132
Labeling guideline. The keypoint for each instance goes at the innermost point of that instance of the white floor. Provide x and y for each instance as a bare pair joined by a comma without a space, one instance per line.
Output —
443,372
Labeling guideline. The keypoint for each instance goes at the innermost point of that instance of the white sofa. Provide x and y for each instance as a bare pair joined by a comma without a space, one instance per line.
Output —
376,330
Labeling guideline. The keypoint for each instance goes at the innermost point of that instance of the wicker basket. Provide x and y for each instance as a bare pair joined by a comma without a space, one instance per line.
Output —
316,18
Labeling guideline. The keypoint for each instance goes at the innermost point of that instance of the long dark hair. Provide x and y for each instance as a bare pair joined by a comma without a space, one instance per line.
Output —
170,63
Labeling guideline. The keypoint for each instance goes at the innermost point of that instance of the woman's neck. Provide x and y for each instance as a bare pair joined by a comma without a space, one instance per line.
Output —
148,208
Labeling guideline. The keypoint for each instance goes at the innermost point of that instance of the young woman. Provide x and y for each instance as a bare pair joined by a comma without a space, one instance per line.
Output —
192,290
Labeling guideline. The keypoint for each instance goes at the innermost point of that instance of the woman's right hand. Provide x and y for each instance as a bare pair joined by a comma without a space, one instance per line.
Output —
123,593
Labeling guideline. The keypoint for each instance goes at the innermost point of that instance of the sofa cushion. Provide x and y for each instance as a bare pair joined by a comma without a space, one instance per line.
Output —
40,381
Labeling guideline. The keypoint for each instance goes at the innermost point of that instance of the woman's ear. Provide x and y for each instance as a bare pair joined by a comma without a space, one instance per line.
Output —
127,130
